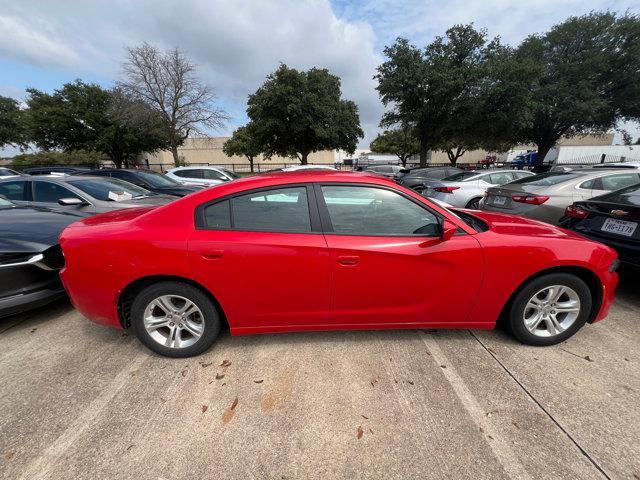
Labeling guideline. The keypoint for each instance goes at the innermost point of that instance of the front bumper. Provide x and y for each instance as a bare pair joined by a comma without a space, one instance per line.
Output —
28,301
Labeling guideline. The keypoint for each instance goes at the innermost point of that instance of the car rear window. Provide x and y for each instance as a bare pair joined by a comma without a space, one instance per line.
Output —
108,189
460,177
628,196
546,179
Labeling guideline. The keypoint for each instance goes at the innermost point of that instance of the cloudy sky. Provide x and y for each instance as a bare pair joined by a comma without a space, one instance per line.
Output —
236,43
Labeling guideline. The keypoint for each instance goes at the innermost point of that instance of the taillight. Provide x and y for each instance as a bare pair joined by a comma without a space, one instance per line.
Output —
445,189
575,212
530,199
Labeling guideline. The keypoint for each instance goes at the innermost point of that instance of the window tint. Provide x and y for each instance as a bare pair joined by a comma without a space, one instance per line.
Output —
50,192
13,190
500,178
546,179
359,210
615,182
625,196
108,189
588,184
521,174
213,175
218,215
460,176
279,210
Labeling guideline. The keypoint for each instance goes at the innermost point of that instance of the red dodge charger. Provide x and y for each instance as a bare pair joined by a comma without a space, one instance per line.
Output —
319,250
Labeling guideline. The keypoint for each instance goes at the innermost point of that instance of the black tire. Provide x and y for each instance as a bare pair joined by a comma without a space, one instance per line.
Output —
210,320
419,188
474,203
516,312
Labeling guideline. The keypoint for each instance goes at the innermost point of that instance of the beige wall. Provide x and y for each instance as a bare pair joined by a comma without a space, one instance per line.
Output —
209,151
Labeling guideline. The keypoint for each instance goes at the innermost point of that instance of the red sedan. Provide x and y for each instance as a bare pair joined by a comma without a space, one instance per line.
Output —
319,250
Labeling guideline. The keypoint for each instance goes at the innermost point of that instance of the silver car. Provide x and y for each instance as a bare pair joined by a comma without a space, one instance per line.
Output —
465,189
80,193
201,175
546,196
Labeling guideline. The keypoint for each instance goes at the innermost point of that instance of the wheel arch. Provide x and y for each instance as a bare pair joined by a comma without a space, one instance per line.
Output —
587,276
125,299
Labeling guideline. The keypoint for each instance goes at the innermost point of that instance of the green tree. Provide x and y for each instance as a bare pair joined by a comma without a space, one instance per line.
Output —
585,77
46,157
82,116
401,142
295,113
435,89
243,142
11,123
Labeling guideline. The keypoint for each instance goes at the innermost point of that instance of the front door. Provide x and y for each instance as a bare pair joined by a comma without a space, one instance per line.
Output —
263,256
389,265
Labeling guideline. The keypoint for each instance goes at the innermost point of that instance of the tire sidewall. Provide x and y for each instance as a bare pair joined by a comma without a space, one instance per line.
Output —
516,312
202,301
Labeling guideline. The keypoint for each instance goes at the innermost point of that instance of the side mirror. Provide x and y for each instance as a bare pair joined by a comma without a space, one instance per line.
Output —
448,230
71,202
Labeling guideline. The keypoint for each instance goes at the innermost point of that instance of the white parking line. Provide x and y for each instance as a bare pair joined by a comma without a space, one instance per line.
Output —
40,467
501,449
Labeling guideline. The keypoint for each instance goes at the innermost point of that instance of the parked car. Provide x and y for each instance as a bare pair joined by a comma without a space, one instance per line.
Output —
385,170
546,196
30,256
524,160
202,175
330,251
415,177
7,172
612,219
465,189
56,169
86,194
149,180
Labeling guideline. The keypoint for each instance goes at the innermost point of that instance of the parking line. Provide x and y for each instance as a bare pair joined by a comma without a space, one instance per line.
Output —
40,467
498,444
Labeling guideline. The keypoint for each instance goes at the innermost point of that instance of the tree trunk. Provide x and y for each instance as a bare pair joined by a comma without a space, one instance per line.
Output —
174,152
454,156
403,160
303,158
543,149
117,162
424,151
250,158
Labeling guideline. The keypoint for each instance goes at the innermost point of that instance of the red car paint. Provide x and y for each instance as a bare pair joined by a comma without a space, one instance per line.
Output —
273,282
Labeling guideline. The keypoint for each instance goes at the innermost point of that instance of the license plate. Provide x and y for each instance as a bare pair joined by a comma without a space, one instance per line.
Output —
499,201
621,227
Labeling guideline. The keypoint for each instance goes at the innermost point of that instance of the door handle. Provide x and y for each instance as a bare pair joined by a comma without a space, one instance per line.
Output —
348,260
211,254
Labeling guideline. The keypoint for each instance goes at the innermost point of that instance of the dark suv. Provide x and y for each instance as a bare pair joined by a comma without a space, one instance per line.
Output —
153,181
415,177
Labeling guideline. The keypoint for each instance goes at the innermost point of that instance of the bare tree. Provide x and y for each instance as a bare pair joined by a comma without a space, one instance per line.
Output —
168,83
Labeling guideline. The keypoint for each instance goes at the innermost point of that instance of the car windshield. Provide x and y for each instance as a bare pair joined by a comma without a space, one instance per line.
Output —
5,172
546,179
229,173
628,196
110,189
460,177
5,203
156,180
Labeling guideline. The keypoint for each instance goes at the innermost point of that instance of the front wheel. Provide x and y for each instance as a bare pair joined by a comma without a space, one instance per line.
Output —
175,319
550,309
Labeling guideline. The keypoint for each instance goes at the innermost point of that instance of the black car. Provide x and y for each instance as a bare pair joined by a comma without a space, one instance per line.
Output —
612,219
148,179
415,177
54,169
30,256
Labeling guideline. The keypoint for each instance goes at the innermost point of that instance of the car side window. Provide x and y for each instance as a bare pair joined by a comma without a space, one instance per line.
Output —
519,175
14,190
183,173
193,173
500,178
616,182
48,192
588,185
213,175
357,210
276,210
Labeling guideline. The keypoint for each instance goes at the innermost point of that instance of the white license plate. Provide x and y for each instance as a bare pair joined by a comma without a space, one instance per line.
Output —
621,227
499,201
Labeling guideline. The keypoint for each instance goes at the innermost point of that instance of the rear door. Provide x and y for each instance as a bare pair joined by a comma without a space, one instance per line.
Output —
16,190
389,266
263,255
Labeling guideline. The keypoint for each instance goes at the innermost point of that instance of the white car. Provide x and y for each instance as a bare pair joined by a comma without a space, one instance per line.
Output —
7,173
201,175
465,189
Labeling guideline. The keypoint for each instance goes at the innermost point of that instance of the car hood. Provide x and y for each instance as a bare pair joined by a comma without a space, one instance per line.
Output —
178,190
158,199
32,229
504,224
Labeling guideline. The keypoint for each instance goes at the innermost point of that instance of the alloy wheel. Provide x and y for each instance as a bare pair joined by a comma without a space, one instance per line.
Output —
551,311
173,321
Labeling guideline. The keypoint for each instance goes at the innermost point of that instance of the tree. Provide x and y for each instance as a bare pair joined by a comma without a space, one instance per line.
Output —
295,113
243,142
86,117
402,142
167,82
11,123
585,77
434,88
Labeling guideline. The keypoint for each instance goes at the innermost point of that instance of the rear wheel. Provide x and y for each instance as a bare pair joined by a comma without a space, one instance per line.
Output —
474,203
550,309
175,319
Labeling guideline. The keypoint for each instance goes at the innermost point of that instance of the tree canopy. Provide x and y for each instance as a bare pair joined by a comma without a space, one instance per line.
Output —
295,113
401,142
243,142
12,130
